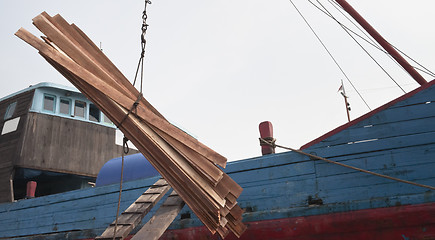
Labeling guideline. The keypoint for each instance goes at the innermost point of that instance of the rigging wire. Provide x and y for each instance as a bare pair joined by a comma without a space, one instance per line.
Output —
427,71
338,7
368,38
329,53
373,43
359,44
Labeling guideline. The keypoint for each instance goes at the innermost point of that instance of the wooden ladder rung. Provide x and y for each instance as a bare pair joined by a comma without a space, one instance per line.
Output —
134,214
161,220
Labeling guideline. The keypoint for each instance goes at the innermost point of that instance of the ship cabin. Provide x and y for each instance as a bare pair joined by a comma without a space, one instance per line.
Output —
54,136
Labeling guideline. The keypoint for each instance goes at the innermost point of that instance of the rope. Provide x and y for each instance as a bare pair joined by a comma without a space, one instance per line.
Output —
347,166
133,107
125,150
140,65
329,53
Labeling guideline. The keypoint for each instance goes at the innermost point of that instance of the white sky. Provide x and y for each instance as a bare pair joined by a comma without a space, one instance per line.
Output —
220,68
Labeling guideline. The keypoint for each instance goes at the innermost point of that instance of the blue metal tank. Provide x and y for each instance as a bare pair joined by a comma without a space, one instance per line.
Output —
136,166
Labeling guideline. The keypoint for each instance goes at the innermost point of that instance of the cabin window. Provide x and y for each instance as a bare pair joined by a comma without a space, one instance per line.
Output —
65,106
10,125
10,110
106,119
49,103
79,109
94,113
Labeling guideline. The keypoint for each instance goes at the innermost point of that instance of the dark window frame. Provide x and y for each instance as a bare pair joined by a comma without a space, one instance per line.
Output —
10,113
84,108
69,106
92,118
54,98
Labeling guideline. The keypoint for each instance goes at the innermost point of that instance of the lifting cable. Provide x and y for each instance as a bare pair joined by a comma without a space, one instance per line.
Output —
125,150
314,157
140,65
329,53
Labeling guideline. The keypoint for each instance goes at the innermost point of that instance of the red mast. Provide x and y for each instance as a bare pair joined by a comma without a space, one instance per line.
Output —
349,9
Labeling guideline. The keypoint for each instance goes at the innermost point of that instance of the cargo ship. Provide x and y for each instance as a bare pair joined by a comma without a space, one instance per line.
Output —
285,195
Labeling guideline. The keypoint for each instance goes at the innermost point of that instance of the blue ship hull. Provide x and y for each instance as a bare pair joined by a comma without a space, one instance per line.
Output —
398,140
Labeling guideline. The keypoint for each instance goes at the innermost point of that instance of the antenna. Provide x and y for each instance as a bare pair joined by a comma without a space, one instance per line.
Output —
343,93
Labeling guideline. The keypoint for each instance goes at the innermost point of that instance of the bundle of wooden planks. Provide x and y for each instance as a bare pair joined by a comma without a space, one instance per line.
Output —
190,167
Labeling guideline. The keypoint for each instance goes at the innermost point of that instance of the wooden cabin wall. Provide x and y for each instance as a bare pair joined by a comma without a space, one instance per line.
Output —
10,142
59,144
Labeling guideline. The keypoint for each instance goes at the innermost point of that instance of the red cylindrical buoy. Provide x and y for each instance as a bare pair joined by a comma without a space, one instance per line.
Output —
266,133
31,189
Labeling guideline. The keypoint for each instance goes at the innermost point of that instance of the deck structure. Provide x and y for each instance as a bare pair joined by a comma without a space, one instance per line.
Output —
51,132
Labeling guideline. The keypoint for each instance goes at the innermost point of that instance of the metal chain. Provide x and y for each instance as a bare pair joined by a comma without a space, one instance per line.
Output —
125,148
143,43
314,157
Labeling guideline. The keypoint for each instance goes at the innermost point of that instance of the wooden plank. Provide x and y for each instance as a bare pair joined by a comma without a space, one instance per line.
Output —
42,129
98,55
192,198
80,56
113,69
422,96
373,161
392,115
146,114
369,114
171,162
99,85
66,42
11,143
134,214
172,155
161,220
380,131
207,168
376,145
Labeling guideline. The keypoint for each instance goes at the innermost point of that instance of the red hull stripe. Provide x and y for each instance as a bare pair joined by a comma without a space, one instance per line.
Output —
367,115
403,222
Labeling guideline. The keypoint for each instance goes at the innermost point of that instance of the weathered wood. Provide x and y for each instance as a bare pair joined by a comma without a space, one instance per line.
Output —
126,102
161,220
134,214
181,159
11,143
390,123
90,63
404,100
79,145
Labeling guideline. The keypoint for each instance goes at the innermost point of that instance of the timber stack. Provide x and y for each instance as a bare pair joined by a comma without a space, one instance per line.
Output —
190,167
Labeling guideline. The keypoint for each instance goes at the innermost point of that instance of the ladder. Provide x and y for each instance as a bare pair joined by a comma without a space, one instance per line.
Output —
134,214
